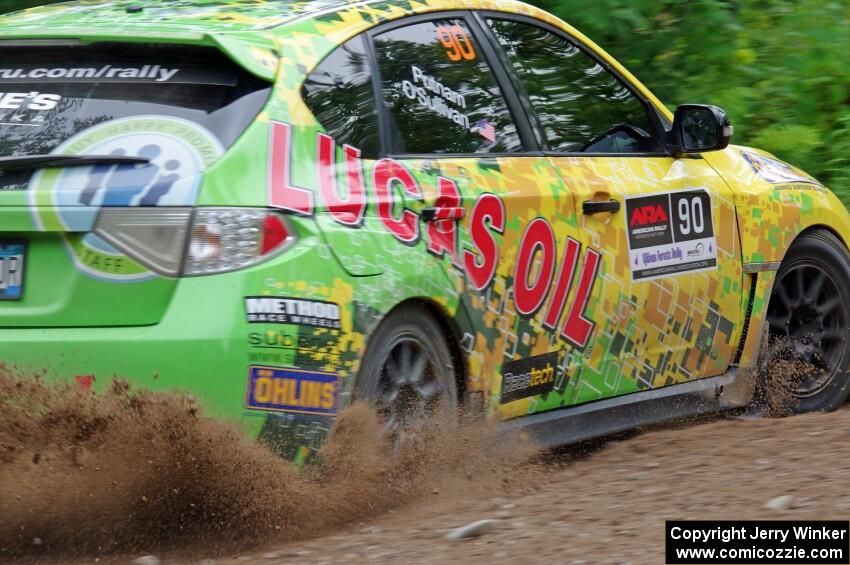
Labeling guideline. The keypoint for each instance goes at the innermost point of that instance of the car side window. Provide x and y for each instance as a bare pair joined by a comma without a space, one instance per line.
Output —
440,92
339,94
581,106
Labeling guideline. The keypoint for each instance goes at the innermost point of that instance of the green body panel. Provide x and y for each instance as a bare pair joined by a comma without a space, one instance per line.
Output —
61,296
199,345
199,16
240,177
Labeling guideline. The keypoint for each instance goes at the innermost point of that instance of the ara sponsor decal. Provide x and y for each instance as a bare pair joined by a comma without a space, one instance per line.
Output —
670,234
68,200
394,189
295,311
529,377
775,171
276,389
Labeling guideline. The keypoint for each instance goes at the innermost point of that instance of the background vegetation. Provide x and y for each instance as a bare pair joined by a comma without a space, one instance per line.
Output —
779,67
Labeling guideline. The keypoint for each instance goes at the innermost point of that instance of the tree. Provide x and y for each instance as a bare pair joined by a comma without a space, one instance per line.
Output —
777,67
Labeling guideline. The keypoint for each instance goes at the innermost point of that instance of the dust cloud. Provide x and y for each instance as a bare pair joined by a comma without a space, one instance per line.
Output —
89,474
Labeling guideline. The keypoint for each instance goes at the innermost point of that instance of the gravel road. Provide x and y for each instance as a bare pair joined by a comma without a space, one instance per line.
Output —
609,505
141,478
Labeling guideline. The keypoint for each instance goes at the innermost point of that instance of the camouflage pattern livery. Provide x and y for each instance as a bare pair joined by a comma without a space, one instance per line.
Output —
522,275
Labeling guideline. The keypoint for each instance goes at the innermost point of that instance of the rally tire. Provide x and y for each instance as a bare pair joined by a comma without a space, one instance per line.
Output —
408,372
809,311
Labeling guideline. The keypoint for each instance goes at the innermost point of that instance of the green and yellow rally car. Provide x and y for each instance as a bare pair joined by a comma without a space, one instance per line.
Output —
286,206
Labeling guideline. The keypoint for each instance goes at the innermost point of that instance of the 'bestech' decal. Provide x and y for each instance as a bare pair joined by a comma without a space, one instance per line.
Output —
670,234
68,200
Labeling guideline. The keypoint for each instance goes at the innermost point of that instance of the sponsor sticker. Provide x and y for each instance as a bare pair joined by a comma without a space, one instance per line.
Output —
298,347
189,74
670,234
295,311
528,377
70,199
36,101
777,172
276,389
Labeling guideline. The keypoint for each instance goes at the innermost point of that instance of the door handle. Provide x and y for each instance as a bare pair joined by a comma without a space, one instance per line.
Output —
592,207
442,213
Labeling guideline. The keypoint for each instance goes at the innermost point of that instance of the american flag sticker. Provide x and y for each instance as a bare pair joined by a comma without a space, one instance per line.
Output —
486,130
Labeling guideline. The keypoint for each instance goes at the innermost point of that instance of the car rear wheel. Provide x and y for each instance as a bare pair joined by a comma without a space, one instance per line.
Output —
408,372
809,325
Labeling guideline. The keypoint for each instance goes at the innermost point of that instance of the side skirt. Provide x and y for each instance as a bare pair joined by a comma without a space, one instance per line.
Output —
613,415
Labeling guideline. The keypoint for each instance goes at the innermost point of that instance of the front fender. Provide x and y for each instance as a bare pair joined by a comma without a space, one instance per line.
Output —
775,203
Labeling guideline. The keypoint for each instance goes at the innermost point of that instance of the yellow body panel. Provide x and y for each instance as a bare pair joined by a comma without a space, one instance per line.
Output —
645,334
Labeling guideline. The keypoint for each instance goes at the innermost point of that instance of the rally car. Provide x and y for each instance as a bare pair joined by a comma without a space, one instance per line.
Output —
285,207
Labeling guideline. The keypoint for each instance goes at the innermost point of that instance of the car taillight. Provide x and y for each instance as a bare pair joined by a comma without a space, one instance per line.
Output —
155,237
226,239
219,239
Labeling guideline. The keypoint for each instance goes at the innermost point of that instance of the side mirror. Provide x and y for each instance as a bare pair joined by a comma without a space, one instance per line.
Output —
698,128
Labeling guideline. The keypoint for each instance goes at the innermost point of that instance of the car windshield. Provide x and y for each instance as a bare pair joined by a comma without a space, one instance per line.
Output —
50,94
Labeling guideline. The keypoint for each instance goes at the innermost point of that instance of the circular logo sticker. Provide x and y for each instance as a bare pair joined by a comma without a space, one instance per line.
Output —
68,200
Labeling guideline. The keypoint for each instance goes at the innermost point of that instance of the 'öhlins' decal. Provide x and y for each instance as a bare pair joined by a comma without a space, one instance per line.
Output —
528,377
296,311
670,234
291,390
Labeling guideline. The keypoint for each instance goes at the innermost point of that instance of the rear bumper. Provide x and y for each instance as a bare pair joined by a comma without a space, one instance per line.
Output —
199,346
204,344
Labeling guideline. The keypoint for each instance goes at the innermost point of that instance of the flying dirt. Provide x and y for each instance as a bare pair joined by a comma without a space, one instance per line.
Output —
126,473
87,474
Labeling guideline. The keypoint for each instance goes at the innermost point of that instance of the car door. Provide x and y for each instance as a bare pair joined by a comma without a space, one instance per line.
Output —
460,147
666,300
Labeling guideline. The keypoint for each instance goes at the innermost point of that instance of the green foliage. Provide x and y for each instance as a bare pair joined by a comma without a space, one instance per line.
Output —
11,5
779,67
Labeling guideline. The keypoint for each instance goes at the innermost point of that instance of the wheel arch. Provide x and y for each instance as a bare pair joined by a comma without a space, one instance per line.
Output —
814,227
763,281
452,332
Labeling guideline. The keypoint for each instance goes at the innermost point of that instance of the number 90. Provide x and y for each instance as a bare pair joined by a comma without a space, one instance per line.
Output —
457,43
691,216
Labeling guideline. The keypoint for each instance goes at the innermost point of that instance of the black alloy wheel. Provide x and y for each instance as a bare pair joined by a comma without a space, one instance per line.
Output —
408,373
809,321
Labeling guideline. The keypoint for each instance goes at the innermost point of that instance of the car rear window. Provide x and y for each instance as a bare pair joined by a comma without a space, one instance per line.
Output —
339,93
50,94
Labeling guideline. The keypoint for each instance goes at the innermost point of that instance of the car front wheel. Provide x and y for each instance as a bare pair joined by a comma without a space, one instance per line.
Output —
809,325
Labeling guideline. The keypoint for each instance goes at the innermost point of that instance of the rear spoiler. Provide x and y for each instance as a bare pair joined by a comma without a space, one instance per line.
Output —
254,51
